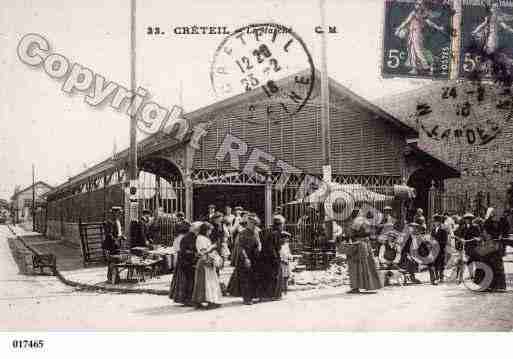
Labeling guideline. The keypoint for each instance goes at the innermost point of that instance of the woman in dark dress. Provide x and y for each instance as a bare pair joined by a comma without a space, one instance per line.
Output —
182,283
361,266
491,232
244,279
270,278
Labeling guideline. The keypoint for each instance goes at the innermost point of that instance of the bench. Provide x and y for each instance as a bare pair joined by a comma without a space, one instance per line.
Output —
42,261
92,235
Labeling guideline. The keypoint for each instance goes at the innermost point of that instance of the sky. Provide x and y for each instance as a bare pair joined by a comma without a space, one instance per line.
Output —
61,134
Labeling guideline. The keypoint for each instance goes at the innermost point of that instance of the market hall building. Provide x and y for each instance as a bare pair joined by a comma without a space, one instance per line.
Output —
256,155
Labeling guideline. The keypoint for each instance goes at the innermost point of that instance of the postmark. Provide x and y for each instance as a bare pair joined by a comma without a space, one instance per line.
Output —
417,39
258,56
486,40
464,113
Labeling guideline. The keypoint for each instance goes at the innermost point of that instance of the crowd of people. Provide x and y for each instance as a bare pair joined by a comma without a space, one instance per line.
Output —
456,240
260,258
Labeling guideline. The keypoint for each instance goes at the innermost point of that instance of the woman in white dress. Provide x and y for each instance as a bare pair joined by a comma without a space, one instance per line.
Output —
207,288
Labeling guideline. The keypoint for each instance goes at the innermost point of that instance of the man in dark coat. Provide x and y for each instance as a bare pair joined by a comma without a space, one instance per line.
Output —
247,263
270,263
113,232
407,262
440,235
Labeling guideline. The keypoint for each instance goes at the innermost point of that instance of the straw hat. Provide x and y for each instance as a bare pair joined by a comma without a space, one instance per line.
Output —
468,215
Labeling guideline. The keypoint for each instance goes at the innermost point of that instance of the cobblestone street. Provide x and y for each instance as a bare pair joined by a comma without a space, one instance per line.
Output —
44,303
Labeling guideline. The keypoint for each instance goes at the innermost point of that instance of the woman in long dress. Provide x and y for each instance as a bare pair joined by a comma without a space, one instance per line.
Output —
244,279
207,288
182,283
362,268
419,57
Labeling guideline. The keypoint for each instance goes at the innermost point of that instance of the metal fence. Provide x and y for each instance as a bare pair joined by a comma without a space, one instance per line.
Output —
441,202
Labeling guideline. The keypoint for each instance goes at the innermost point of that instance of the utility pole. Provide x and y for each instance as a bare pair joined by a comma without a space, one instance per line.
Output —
325,101
33,198
325,118
133,172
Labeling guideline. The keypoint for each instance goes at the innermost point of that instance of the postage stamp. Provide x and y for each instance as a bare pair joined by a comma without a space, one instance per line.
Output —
486,38
417,39
257,56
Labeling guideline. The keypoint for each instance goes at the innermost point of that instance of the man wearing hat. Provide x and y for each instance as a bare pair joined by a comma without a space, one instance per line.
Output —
113,231
469,233
441,236
407,261
147,223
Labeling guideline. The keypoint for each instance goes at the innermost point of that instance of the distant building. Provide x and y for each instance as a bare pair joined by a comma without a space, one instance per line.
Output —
22,200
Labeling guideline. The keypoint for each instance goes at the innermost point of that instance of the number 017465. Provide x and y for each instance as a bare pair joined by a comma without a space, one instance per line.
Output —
27,344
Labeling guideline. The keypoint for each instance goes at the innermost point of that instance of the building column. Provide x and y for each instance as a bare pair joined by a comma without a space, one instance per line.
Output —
189,188
268,201
187,180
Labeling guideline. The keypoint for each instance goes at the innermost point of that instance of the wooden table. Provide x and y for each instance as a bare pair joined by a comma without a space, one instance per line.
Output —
134,266
168,256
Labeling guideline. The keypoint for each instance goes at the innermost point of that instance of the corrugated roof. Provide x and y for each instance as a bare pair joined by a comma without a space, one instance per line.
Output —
199,116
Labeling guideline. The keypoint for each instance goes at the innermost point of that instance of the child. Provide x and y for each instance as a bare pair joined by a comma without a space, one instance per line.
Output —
286,257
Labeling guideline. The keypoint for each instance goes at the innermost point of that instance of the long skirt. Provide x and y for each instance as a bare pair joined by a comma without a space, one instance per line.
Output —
269,280
362,268
206,284
233,288
182,284
235,251
243,283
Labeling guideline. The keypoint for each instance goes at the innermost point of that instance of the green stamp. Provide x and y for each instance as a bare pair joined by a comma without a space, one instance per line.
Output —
417,39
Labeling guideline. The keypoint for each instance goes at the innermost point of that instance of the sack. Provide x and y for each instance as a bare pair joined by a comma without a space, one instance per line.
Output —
485,248
214,259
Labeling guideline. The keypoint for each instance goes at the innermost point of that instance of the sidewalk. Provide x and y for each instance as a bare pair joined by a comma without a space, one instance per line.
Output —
70,265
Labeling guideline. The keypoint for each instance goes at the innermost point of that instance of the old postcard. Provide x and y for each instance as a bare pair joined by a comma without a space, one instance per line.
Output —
276,165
